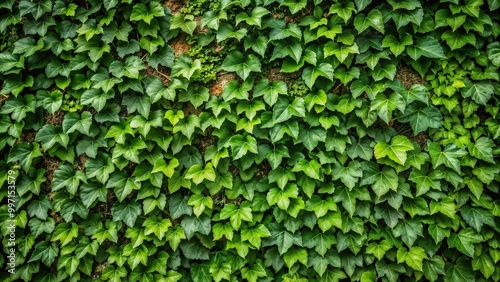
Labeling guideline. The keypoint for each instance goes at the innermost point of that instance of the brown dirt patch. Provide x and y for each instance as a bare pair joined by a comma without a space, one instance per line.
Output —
276,74
409,77
3,97
162,76
180,44
175,6
189,109
81,161
221,80
55,119
50,165
421,139
206,141
27,136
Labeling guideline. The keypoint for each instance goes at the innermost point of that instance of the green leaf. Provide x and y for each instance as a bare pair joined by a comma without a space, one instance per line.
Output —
373,19
319,206
241,145
255,234
282,238
237,214
457,40
126,212
185,22
477,217
49,135
168,170
156,225
449,157
493,52
243,66
408,230
386,105
422,118
131,68
67,177
145,13
65,233
348,175
378,250
45,252
311,73
24,153
482,149
460,271
425,46
381,181
424,180
284,110
37,8
413,258
480,92
340,51
74,122
255,18
464,241
485,264
19,107
396,151
310,168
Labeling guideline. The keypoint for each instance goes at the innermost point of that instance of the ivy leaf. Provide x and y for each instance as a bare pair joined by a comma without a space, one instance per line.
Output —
141,12
426,46
131,68
19,106
126,212
37,9
449,157
348,175
45,252
386,105
255,234
482,149
74,122
243,66
282,238
464,241
198,174
284,110
408,230
241,145
493,52
378,250
457,40
373,19
413,258
49,135
237,214
340,51
396,151
255,18
253,274
67,177
424,180
311,73
310,168
397,47
65,233
24,153
485,264
319,206
168,170
381,181
422,118
193,224
477,217
156,225
480,92
185,22
321,242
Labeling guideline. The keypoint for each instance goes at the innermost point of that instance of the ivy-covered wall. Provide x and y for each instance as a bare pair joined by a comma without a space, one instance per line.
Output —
250,140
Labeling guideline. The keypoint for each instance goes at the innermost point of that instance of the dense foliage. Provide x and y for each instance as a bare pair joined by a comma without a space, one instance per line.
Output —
251,140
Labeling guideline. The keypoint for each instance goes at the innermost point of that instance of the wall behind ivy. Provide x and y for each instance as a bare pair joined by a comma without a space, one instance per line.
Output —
250,140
